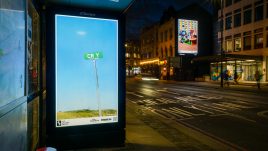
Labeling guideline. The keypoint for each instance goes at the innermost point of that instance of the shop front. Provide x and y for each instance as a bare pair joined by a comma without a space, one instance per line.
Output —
242,70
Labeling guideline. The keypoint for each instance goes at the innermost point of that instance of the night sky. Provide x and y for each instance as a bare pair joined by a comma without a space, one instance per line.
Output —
146,12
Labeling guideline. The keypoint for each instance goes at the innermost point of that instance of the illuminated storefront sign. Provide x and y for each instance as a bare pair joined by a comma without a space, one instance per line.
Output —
149,61
86,70
187,36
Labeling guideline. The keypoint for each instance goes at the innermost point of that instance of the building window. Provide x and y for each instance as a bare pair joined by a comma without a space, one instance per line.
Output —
235,1
161,35
267,10
247,41
228,45
237,44
221,24
134,55
258,38
247,16
258,41
162,53
170,51
258,13
127,55
170,33
228,22
237,20
166,35
267,39
228,2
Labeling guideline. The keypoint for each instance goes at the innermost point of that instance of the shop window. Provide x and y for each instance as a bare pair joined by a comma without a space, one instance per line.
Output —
229,45
258,41
228,2
258,13
237,20
228,22
247,16
237,44
247,43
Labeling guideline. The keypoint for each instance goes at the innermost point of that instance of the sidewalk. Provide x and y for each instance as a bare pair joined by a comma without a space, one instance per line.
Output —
139,137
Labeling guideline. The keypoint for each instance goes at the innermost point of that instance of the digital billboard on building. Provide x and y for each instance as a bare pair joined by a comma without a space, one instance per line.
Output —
187,36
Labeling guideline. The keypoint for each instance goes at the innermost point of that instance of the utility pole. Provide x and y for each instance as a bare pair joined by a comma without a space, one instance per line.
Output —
221,26
93,57
97,87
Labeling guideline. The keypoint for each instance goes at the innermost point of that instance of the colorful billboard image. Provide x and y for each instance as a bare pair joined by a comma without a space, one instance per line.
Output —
187,36
86,70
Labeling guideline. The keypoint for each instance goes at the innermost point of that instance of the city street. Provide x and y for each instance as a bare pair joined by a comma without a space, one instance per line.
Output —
232,116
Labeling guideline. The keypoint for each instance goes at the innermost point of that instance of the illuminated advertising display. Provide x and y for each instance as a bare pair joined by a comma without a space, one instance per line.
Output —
86,67
187,36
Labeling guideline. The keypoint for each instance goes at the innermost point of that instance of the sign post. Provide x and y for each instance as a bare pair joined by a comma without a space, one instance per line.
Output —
94,56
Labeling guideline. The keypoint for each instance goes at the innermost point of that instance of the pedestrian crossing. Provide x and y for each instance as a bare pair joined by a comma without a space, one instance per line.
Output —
169,108
183,107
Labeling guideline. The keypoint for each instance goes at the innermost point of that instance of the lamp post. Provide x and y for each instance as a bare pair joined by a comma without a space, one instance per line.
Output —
221,26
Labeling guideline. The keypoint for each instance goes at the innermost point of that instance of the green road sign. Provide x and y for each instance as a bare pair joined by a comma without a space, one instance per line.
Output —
93,55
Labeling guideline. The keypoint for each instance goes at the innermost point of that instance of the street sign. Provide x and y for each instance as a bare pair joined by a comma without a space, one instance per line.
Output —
93,56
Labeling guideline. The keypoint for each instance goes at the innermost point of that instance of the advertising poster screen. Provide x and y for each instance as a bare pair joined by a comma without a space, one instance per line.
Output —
187,36
86,59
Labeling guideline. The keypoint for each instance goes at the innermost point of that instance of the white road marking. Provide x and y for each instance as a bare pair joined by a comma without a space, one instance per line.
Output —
173,113
196,108
263,114
133,93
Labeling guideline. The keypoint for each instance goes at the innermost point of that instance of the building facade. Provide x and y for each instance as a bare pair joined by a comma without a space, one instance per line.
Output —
245,33
157,47
133,56
159,44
